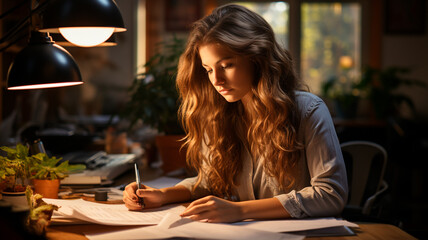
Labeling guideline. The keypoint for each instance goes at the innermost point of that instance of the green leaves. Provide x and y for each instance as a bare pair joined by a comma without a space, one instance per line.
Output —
6,171
20,164
16,162
153,94
380,87
45,167
20,152
40,212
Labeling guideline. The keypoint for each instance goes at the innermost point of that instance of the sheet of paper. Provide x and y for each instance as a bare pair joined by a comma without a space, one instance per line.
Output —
173,220
112,214
174,226
291,225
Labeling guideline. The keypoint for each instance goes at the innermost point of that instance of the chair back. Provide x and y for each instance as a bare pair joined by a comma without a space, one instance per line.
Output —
365,165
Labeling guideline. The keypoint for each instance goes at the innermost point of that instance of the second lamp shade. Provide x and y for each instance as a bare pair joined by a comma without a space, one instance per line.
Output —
85,23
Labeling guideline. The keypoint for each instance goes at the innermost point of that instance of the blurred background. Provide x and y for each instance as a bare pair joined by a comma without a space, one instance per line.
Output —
366,58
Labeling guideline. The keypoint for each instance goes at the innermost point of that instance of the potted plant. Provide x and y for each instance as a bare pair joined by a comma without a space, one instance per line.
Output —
47,173
153,93
7,175
381,88
154,100
14,173
344,96
377,87
40,213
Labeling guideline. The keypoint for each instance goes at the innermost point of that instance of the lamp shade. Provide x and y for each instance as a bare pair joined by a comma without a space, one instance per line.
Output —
42,64
60,40
83,22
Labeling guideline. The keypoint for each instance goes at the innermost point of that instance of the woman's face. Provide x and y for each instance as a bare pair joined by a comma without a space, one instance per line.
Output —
231,75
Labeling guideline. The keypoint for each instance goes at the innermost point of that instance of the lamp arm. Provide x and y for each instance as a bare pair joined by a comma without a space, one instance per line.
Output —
13,42
23,23
12,9
11,33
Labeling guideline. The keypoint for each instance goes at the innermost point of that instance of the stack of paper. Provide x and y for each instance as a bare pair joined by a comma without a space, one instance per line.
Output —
165,222
110,214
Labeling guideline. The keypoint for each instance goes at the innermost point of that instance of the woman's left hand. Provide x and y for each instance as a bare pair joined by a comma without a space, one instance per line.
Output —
213,209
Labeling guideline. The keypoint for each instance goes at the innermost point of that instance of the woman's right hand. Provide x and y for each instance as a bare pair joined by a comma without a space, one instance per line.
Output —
152,197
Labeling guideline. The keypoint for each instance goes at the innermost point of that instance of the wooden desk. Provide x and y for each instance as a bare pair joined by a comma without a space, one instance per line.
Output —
367,231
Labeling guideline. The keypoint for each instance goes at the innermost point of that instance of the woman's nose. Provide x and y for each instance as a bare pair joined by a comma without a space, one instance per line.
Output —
217,78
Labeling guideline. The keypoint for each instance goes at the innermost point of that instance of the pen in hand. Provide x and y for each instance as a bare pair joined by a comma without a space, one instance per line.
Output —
138,180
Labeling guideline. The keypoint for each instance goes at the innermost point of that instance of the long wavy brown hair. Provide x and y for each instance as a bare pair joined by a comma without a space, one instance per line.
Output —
218,132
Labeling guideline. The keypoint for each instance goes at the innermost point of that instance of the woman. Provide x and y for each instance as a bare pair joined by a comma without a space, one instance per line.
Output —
262,148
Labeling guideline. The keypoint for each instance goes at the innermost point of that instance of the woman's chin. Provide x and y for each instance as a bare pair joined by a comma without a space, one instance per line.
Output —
231,99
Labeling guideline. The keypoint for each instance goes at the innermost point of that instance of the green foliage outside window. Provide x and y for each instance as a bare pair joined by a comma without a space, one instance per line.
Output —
331,32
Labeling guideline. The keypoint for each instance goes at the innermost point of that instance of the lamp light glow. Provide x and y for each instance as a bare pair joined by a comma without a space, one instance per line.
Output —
86,36
60,40
46,85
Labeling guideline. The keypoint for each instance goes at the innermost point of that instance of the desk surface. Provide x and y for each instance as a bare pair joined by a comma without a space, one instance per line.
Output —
367,231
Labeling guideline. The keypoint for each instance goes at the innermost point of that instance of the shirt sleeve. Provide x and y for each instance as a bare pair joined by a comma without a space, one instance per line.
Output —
200,191
189,183
328,190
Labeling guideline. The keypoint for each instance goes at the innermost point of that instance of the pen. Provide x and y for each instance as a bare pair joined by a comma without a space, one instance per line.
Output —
138,180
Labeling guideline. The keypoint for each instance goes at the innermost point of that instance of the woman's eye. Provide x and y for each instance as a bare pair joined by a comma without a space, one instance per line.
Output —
209,71
226,66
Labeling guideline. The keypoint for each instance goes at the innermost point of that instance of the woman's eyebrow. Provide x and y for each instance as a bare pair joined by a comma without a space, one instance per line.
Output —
222,59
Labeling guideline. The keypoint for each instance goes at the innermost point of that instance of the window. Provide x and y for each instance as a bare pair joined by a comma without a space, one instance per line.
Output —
330,42
276,14
330,37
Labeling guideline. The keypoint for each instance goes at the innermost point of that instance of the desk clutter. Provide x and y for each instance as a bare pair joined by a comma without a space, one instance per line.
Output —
101,168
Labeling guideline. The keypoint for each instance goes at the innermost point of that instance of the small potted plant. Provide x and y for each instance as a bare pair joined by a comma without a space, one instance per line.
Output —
46,173
40,213
14,173
15,168
7,175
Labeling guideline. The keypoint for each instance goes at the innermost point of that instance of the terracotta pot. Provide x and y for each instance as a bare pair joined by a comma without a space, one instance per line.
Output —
169,150
46,188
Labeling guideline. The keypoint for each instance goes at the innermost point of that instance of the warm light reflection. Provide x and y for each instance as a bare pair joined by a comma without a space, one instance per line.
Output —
346,62
45,85
86,36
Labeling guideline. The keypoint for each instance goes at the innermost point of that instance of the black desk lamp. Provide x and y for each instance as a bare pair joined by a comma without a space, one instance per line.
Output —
85,23
43,64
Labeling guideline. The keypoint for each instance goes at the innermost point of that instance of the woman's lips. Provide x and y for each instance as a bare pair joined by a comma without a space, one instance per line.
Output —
224,91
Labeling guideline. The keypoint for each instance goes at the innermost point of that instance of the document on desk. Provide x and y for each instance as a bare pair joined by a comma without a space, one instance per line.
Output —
294,225
173,226
111,214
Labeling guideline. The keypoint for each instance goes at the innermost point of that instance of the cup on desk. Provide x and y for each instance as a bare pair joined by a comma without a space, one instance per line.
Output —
116,142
